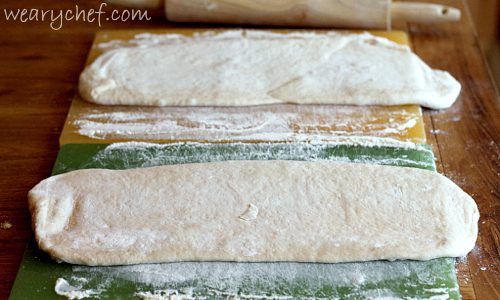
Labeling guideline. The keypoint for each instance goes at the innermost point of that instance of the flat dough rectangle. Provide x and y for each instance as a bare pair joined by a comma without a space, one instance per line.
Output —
252,211
238,68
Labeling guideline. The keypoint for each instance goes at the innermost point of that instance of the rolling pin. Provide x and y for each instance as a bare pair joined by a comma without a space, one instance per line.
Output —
303,13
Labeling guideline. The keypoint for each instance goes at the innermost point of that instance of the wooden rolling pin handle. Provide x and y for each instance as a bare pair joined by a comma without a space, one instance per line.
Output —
423,12
303,13
319,13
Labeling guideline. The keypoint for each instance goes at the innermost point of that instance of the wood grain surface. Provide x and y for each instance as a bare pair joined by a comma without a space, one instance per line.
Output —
39,69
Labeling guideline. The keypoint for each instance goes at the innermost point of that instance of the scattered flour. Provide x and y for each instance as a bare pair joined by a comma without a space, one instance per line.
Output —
191,280
166,295
280,123
141,154
437,131
363,141
5,225
63,288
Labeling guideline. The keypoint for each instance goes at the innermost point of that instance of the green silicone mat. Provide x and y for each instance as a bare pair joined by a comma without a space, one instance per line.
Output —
38,274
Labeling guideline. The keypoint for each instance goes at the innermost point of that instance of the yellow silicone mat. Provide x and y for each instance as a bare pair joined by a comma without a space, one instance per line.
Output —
92,123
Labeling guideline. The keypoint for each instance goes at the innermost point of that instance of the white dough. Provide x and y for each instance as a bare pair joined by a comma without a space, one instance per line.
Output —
236,68
252,211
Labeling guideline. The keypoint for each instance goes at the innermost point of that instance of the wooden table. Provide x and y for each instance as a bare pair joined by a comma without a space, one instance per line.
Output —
39,69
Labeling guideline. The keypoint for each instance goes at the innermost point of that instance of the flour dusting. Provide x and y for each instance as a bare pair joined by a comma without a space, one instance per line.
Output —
355,149
292,123
361,141
222,280
63,288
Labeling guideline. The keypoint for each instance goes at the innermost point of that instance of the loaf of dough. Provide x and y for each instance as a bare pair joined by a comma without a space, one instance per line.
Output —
236,68
252,211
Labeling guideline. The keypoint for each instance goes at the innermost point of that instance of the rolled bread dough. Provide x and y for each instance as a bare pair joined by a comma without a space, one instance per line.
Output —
236,68
252,211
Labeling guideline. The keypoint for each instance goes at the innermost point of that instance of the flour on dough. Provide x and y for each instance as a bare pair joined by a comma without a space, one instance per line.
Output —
300,211
236,68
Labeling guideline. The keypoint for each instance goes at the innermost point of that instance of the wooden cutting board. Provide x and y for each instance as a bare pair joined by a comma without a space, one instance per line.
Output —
92,123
